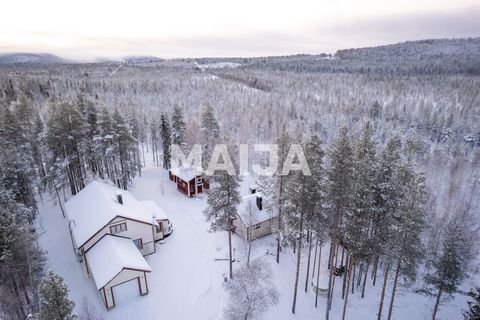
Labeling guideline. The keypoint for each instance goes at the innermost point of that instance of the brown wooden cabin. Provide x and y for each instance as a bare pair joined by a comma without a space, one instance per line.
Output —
189,181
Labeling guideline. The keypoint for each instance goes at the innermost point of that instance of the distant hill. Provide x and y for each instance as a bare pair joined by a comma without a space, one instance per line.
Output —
424,57
141,59
30,58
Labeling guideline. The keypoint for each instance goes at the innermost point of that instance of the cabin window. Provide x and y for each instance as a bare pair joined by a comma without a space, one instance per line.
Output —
257,226
118,228
138,243
159,227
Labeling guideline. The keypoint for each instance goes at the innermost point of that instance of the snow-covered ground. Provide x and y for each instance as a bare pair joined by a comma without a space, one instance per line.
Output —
186,281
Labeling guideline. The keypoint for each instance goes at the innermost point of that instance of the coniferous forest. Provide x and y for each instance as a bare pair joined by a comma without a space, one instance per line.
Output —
391,135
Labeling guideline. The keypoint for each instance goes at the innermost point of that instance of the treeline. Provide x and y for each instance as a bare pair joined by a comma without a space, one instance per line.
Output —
412,58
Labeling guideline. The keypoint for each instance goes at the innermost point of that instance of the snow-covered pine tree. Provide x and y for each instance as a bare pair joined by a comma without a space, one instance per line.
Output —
155,139
451,265
134,125
21,261
65,136
340,192
166,136
473,312
357,222
178,127
387,202
125,147
273,187
316,220
301,201
408,224
103,144
320,221
89,112
223,199
55,304
17,172
210,132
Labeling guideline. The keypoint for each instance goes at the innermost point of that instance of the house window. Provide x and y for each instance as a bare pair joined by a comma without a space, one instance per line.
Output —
257,226
118,228
159,227
138,243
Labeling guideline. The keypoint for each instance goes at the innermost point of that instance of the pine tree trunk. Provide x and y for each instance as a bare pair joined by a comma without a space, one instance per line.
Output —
59,200
437,302
333,247
297,273
365,278
308,264
382,297
360,274
280,193
344,286
394,289
374,271
230,247
353,277
347,276
318,274
315,259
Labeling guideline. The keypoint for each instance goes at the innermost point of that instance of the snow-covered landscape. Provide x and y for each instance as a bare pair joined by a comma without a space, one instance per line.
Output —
187,282
253,160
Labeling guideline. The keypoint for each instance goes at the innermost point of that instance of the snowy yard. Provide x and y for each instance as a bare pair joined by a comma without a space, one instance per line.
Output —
186,281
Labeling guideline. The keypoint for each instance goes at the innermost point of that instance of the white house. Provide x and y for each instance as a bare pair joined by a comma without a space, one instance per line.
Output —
100,210
116,261
254,220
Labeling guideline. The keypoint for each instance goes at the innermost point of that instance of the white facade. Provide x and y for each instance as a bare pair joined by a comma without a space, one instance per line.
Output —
112,231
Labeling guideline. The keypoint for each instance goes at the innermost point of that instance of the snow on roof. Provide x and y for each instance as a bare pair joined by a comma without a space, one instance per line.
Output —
158,212
110,256
249,211
97,204
186,172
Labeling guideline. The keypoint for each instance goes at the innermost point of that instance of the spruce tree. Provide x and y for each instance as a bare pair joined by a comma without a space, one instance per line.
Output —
301,201
450,266
406,249
340,191
66,134
17,171
274,187
222,202
55,304
210,132
21,261
473,313
387,202
166,136
357,222
125,149
178,127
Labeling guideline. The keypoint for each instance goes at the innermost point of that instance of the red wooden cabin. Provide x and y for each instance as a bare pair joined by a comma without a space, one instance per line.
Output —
189,180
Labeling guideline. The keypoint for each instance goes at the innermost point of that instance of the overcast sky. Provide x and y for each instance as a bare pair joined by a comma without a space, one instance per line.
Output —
86,29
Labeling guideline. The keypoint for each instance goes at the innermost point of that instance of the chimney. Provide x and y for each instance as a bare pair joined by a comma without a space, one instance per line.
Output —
259,202
119,198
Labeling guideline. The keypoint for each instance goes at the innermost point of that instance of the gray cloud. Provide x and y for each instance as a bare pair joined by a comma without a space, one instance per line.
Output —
316,39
